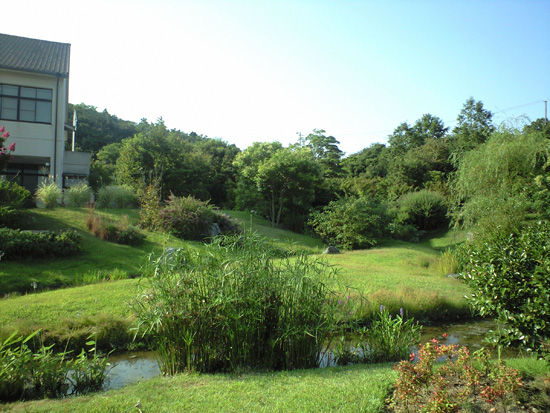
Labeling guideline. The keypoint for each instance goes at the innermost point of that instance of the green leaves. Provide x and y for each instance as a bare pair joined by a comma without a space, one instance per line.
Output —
510,279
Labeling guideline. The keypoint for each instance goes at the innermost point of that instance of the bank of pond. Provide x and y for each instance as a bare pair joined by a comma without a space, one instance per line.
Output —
134,381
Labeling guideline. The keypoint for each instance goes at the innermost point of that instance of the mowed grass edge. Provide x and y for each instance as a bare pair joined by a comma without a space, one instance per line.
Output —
347,389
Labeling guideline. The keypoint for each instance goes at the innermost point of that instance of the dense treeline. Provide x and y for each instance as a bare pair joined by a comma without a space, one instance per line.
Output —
426,175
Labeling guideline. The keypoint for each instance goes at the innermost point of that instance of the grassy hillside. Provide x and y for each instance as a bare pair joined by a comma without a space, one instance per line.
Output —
100,285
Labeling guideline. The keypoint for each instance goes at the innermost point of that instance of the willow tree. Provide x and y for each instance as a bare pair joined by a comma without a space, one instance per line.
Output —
501,181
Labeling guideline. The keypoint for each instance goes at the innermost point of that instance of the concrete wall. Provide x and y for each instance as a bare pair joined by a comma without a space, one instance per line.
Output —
76,163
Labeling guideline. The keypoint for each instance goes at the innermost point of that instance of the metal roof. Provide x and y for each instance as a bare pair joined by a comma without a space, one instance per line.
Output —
33,55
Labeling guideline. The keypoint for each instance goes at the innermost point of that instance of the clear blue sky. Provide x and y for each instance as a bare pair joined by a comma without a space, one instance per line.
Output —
255,70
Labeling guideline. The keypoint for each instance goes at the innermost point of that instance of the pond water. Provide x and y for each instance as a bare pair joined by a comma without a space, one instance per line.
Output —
131,367
128,368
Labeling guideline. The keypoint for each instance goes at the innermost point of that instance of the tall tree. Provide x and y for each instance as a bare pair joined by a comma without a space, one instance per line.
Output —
287,180
406,137
474,127
325,150
278,182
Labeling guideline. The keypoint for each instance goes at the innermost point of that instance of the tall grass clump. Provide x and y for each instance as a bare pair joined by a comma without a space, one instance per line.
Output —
116,196
79,195
231,307
447,263
191,219
388,338
48,193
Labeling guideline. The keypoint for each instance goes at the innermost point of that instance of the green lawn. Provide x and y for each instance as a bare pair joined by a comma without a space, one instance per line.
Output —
347,389
397,274
402,276
359,388
282,238
98,259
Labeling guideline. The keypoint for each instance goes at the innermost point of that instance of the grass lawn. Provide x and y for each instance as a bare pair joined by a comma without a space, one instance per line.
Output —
281,238
397,274
356,388
346,389
98,259
402,276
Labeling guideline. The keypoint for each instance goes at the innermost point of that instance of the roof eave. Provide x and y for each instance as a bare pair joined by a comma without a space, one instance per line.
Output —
38,72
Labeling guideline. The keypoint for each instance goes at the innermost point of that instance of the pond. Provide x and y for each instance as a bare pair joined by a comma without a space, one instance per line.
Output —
131,367
128,368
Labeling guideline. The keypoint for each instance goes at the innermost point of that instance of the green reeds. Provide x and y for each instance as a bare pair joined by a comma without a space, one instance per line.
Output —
28,374
388,338
233,307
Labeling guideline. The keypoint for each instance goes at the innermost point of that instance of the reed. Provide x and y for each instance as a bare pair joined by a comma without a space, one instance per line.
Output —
233,306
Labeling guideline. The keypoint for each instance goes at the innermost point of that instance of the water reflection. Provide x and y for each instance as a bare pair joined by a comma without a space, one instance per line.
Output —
131,367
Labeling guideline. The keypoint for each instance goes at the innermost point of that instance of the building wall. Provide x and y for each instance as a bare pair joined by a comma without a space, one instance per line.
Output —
36,139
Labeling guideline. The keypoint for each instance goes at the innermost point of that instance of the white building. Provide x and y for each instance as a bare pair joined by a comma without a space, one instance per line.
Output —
34,94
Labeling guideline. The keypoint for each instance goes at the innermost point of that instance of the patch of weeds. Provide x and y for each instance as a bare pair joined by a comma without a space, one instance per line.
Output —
120,232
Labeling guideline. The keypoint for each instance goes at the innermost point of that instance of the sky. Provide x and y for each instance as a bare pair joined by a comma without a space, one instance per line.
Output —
269,70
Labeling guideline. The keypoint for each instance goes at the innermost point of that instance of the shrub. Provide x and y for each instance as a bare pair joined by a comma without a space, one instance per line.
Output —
5,152
149,200
229,309
509,275
191,219
12,200
121,196
423,209
464,382
351,223
79,195
404,232
13,195
121,232
49,194
16,244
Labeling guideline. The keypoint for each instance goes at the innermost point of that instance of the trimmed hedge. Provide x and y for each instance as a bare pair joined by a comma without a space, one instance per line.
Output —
17,245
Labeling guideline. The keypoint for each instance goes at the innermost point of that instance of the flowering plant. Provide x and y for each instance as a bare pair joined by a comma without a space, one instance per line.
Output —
459,380
5,151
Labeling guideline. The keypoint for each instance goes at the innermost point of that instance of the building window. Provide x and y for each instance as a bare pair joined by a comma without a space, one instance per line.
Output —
25,104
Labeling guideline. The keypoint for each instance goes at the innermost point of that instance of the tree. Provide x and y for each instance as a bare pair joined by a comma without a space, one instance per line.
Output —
247,163
157,154
539,125
277,182
474,127
97,129
502,180
325,150
416,154
287,180
369,162
405,137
